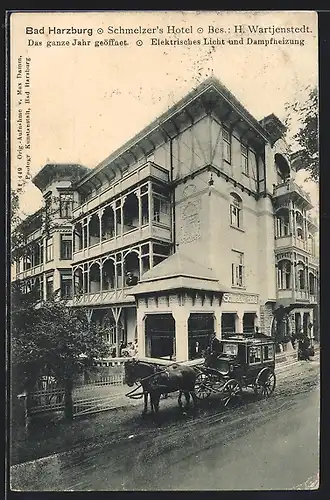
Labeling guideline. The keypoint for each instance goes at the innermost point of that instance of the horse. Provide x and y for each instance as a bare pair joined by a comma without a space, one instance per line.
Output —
156,382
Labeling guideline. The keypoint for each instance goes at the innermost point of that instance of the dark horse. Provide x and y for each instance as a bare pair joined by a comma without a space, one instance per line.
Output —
155,381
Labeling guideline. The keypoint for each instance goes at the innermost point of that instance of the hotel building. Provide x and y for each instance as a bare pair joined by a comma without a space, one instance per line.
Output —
193,226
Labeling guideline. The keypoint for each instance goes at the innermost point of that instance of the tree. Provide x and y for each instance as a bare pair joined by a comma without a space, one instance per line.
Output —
49,335
304,142
44,219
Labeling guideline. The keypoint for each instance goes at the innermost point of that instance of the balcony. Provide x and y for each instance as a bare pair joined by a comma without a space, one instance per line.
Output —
130,238
290,241
147,170
115,296
313,260
286,297
290,189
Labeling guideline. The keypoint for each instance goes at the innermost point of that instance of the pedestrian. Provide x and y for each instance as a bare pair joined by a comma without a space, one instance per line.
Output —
197,349
121,347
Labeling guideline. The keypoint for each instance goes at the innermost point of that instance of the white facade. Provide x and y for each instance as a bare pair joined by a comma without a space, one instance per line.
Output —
209,182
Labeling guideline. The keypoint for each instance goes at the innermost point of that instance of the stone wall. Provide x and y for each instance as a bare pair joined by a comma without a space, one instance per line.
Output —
266,318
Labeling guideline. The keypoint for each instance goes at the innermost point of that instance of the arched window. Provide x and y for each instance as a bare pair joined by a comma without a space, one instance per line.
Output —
282,168
284,275
236,218
300,225
301,279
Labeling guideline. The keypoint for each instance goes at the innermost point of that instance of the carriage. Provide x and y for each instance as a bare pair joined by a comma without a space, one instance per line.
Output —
242,363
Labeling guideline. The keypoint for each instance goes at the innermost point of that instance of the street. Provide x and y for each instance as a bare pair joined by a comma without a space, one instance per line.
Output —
261,445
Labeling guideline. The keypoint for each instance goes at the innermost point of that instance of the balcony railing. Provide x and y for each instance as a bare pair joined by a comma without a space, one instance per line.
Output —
103,297
149,169
132,237
292,241
290,186
295,296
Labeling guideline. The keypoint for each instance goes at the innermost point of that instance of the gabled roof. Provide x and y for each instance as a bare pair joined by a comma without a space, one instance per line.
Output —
211,91
50,172
179,265
178,272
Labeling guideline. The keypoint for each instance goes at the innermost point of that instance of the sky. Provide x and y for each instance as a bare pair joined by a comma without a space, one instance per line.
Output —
86,101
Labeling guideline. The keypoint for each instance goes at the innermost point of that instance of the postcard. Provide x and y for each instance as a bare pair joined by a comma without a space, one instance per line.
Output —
165,275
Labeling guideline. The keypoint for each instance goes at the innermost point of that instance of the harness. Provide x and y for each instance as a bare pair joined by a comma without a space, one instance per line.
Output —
131,394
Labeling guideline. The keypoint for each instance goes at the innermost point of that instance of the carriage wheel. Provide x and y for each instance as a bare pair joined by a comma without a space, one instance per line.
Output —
265,383
203,386
232,392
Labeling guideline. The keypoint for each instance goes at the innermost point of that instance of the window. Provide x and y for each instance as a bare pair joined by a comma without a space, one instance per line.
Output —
236,211
41,247
284,275
49,286
66,286
230,349
40,287
84,235
301,279
245,159
237,269
268,352
226,145
66,247
312,284
66,202
27,262
254,354
161,210
37,254
282,224
300,233
49,249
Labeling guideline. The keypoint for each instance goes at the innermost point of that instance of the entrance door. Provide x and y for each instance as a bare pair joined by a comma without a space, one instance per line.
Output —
200,327
160,335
